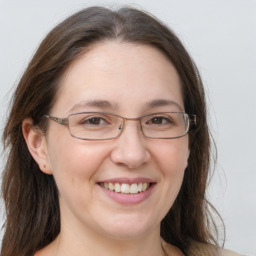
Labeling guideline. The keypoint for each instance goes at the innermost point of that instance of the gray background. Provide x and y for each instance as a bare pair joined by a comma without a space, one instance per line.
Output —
221,37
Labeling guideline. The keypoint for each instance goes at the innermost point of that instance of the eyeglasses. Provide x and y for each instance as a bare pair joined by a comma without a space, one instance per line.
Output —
105,126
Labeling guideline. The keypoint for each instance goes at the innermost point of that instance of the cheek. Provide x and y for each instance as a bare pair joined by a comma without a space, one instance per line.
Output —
172,156
75,161
74,165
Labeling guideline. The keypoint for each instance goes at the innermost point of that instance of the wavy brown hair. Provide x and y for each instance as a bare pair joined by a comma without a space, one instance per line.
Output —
30,196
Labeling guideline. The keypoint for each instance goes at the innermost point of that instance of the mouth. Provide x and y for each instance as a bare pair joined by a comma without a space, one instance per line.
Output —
128,191
125,188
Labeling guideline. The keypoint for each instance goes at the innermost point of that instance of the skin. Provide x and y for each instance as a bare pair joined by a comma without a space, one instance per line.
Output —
129,77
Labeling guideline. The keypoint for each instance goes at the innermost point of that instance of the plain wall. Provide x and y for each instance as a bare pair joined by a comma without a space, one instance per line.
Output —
221,37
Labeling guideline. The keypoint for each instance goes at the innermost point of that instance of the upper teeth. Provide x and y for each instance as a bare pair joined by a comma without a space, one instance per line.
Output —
126,188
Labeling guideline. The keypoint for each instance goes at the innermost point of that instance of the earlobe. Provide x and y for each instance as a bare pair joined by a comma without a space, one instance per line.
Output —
36,144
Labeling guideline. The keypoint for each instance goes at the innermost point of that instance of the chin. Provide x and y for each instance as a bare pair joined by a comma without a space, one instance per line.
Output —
129,228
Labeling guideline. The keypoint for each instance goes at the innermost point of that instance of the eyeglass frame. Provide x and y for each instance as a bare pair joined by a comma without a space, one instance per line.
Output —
192,119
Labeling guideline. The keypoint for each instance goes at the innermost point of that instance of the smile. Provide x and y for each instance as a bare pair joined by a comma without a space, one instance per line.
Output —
124,188
128,191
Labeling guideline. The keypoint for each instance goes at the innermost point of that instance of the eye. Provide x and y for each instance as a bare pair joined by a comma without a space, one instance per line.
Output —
159,120
94,121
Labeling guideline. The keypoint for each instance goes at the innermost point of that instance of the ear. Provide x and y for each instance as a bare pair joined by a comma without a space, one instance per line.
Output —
36,143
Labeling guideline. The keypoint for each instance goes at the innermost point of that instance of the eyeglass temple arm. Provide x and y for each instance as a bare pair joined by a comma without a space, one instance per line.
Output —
193,119
62,121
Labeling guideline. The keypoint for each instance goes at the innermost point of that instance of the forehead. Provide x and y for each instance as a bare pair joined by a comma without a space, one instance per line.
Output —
120,73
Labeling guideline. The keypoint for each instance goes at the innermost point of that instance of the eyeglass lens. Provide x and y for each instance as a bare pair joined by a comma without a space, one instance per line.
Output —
98,126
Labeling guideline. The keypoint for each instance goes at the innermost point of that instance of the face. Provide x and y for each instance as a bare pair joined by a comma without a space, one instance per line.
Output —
128,80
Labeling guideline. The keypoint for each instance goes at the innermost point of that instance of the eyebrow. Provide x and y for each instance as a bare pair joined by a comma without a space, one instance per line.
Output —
94,104
162,103
104,104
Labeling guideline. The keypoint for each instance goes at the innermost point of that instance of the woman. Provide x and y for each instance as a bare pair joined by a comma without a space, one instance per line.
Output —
108,144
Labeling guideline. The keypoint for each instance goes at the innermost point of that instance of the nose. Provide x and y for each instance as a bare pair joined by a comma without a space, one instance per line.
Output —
130,149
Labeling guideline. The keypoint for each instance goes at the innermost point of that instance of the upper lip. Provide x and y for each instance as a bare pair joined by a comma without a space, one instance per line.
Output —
125,180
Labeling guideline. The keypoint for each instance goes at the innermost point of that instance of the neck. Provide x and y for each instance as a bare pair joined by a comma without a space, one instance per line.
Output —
69,244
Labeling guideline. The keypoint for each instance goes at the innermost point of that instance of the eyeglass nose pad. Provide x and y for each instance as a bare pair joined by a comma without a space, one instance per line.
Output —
121,127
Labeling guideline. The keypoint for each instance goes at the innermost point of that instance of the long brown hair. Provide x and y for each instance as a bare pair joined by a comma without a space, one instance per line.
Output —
30,196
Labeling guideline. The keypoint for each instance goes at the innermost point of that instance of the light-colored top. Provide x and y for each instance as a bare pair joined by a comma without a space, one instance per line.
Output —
199,249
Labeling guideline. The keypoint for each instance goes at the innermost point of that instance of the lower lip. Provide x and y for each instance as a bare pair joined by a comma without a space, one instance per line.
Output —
128,199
